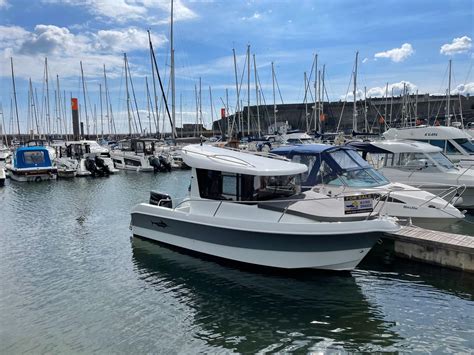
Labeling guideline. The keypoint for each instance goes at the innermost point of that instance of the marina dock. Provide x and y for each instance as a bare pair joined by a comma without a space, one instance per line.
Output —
450,250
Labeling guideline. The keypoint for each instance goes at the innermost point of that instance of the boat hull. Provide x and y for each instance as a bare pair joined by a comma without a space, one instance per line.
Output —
280,250
32,176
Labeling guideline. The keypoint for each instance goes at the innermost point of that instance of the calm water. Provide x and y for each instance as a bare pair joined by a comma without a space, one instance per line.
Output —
72,280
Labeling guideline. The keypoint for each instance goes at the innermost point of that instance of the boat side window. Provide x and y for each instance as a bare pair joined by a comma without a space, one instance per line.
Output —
413,161
217,185
388,160
466,144
140,147
438,143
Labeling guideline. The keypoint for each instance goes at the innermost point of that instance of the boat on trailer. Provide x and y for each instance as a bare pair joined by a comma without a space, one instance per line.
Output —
238,209
31,164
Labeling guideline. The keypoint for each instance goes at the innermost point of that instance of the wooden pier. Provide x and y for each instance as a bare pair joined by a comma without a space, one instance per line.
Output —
446,249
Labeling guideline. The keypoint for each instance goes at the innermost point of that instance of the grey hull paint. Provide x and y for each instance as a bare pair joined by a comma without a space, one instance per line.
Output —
255,240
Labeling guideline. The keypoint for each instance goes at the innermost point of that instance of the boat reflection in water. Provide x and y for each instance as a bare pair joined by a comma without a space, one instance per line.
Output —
247,310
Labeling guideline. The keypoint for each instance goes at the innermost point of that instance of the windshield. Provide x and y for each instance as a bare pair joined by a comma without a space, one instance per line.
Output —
466,144
360,178
441,160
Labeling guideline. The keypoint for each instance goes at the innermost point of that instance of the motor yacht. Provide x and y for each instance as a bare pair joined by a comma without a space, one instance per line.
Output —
422,165
139,155
31,164
77,156
455,143
239,208
339,171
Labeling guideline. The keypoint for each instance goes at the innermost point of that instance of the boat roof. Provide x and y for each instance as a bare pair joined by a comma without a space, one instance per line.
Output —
239,162
32,148
395,146
305,149
426,132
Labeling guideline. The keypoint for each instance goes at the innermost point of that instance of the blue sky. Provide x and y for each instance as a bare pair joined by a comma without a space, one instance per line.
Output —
397,41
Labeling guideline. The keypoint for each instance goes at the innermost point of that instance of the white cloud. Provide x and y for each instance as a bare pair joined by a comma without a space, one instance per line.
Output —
4,4
65,49
255,16
127,39
458,45
12,36
464,89
121,11
397,89
397,54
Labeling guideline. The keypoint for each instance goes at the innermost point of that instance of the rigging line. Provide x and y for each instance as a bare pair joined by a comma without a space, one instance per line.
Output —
279,92
345,99
161,87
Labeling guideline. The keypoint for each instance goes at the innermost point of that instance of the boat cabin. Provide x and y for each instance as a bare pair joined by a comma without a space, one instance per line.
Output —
332,165
404,155
224,174
453,141
31,157
144,146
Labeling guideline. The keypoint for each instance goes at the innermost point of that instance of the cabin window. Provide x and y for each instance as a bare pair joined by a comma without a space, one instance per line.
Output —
413,161
466,144
451,149
218,185
344,160
140,147
442,160
33,158
438,143
388,160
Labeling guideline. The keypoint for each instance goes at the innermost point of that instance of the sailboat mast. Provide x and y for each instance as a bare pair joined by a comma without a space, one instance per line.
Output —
248,90
448,115
128,96
60,126
315,91
148,104
85,101
107,112
274,102
14,97
256,94
237,89
172,75
354,105
385,112
101,112
305,101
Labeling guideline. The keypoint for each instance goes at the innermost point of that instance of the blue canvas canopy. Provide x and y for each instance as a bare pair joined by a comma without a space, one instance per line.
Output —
32,157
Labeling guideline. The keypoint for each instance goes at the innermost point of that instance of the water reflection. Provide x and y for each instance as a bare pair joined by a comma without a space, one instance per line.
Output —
245,311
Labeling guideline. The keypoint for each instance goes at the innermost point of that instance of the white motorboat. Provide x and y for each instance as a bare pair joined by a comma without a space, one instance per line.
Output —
31,164
4,152
139,155
77,156
339,172
239,209
422,165
455,143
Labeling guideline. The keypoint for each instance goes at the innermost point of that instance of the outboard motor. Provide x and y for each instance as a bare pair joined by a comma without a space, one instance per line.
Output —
99,162
165,165
155,163
91,166
160,199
